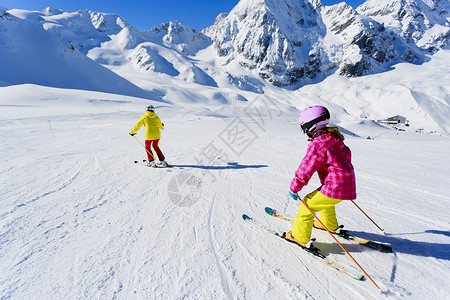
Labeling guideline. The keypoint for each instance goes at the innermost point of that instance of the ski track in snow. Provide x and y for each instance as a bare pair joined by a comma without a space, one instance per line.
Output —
80,220
214,247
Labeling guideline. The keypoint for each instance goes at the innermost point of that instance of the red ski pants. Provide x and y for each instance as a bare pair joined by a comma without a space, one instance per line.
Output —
154,143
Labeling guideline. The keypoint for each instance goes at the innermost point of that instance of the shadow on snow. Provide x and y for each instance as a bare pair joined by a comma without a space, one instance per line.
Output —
407,246
230,166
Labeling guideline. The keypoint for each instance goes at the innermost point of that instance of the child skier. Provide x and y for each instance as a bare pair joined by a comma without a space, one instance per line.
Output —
327,155
153,127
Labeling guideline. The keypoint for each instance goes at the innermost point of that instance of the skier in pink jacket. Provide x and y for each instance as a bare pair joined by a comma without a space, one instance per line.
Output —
331,159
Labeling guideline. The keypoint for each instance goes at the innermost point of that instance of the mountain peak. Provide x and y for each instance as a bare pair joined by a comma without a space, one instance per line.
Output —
50,11
180,37
264,34
108,23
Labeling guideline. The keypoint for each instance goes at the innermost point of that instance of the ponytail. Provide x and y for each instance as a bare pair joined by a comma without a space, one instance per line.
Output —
335,131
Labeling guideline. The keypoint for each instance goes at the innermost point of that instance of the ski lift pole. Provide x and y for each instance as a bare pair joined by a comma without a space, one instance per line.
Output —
345,250
144,147
382,230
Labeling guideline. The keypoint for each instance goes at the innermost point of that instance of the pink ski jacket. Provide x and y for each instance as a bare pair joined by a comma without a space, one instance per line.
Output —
331,159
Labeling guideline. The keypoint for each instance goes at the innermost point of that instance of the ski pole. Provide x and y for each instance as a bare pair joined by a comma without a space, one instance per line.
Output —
144,147
382,230
345,250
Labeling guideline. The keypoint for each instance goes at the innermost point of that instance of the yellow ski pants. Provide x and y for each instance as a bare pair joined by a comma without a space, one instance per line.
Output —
304,220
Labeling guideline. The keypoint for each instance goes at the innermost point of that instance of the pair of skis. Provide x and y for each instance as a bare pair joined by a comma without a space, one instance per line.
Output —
341,233
315,252
144,162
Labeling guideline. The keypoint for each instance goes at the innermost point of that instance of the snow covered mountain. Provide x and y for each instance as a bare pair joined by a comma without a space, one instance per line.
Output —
259,47
110,40
285,42
168,50
265,35
31,54
359,45
425,23
291,40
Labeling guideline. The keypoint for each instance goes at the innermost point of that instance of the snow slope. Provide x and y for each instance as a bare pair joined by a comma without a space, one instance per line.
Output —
80,220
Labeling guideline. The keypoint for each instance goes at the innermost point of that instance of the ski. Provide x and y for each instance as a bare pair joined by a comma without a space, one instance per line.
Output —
314,252
341,233
144,162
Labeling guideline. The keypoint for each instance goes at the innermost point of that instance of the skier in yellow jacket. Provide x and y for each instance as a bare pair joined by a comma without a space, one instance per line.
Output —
153,127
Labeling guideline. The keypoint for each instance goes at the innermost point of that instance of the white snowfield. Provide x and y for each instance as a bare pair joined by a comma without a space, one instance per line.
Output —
80,220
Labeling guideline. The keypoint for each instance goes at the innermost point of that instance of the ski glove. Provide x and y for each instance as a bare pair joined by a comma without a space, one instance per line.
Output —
293,195
132,134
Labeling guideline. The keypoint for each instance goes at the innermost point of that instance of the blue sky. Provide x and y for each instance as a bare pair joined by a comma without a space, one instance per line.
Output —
150,13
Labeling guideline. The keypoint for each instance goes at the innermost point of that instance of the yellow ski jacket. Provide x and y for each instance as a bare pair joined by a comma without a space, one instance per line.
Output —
152,125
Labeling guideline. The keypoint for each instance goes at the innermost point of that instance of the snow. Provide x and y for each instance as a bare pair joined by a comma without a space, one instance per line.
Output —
178,64
426,22
415,90
80,220
33,55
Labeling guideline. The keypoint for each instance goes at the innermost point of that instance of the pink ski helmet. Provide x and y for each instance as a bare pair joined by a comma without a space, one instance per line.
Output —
312,117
